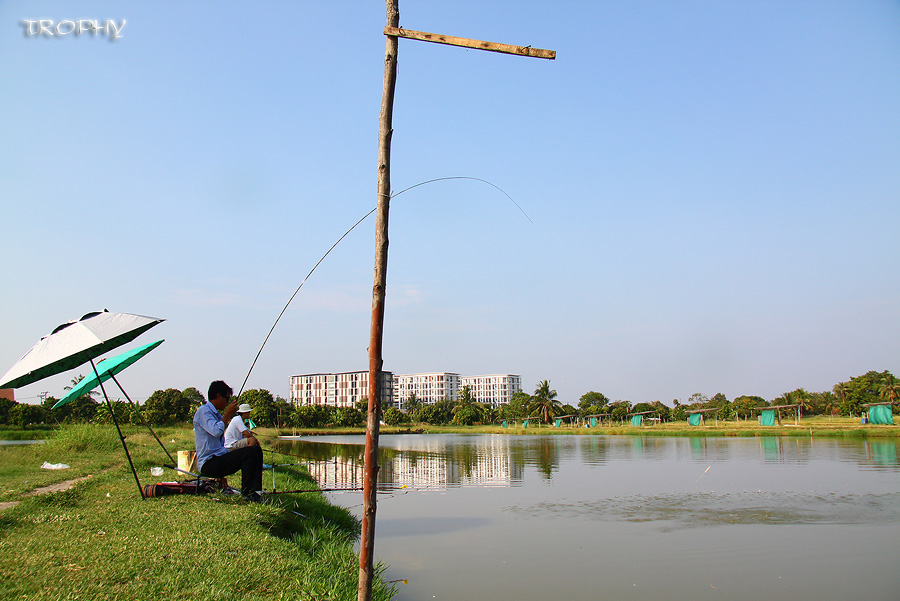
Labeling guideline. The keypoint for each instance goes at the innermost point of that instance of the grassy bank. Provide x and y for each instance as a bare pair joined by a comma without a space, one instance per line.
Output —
29,433
836,427
99,540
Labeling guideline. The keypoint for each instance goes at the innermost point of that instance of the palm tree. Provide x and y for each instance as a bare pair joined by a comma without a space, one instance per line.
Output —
889,390
544,401
802,398
75,381
466,409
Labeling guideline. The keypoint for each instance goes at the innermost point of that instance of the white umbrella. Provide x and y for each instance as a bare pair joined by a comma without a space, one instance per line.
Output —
75,343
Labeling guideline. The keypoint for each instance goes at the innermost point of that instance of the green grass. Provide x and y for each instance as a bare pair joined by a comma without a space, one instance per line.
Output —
29,433
99,540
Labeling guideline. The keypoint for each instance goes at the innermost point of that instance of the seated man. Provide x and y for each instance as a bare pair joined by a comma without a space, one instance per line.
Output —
237,435
213,459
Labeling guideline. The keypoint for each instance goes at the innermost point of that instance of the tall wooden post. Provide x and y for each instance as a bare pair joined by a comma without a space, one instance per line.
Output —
376,332
392,32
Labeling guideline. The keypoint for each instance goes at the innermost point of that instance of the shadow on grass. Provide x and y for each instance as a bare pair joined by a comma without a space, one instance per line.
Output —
303,512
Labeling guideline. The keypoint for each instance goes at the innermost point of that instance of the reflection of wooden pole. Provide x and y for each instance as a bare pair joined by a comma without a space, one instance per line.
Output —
367,537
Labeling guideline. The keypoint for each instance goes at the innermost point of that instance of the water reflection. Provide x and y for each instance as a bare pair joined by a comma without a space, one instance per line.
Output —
512,518
881,453
446,461
419,462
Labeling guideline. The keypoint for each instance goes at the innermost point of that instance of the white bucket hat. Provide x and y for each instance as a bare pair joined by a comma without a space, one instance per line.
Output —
244,408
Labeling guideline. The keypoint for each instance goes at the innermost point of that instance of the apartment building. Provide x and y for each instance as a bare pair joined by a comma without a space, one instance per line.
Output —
343,389
428,387
493,389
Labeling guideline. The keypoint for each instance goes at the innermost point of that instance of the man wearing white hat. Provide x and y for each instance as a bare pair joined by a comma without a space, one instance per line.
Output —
237,435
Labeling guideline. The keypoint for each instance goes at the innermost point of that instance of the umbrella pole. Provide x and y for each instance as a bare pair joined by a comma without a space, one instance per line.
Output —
119,430
165,450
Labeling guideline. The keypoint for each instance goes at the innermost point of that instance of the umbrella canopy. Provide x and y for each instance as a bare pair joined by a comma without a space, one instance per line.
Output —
75,343
107,369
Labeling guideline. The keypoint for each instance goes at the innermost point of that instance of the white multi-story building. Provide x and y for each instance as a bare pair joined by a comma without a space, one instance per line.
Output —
339,390
493,389
428,388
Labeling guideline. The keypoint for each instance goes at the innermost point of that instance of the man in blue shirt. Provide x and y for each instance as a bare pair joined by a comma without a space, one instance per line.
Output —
213,459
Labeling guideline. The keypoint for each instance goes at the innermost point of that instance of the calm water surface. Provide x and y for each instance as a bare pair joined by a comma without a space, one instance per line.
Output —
627,518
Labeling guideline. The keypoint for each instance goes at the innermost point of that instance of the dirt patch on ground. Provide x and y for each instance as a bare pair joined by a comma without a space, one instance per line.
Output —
58,487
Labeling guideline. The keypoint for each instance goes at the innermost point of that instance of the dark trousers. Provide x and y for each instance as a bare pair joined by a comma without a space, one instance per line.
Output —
248,460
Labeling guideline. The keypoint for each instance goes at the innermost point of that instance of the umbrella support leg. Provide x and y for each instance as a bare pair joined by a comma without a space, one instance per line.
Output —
141,415
119,430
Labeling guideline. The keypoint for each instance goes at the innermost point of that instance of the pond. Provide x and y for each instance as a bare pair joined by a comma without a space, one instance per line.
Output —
626,518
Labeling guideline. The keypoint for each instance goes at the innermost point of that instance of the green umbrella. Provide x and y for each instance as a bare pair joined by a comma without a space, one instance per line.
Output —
106,369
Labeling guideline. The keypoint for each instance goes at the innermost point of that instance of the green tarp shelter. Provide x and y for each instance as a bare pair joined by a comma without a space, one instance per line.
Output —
593,422
504,424
694,419
525,424
636,420
558,422
881,414
767,418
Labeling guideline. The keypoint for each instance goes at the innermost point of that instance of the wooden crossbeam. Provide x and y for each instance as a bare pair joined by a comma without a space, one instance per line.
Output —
469,43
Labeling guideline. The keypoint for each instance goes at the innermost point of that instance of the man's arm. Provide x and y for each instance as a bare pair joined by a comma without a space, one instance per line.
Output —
213,425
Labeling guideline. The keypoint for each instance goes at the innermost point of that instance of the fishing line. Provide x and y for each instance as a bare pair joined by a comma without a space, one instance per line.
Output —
287,304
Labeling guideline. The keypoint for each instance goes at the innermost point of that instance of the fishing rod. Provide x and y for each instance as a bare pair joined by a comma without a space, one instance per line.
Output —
283,453
287,304
384,491
291,492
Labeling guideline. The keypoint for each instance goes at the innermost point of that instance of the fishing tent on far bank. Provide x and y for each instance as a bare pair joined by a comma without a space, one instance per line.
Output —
637,418
597,418
695,416
881,413
569,420
769,414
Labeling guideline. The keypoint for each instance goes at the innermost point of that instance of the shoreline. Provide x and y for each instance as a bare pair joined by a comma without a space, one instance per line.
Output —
815,427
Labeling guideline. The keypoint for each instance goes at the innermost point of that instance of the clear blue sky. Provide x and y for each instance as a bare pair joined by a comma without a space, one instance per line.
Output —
714,188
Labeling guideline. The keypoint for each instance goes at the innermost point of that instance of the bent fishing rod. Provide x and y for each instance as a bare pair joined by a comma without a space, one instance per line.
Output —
328,252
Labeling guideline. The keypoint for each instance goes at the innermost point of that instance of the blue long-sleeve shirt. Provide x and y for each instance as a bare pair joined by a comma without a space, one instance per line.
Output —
209,431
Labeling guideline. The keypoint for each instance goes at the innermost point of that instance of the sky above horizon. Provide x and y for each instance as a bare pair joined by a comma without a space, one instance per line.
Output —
710,191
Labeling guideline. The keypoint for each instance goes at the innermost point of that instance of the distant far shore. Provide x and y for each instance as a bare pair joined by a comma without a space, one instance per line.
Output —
817,426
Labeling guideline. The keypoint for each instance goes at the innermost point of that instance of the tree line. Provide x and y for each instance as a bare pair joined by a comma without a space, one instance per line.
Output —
845,399
172,406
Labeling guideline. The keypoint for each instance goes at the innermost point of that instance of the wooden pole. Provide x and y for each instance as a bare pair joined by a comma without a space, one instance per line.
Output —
376,331
392,31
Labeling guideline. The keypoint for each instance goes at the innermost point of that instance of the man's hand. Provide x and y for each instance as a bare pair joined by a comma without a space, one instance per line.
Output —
230,410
